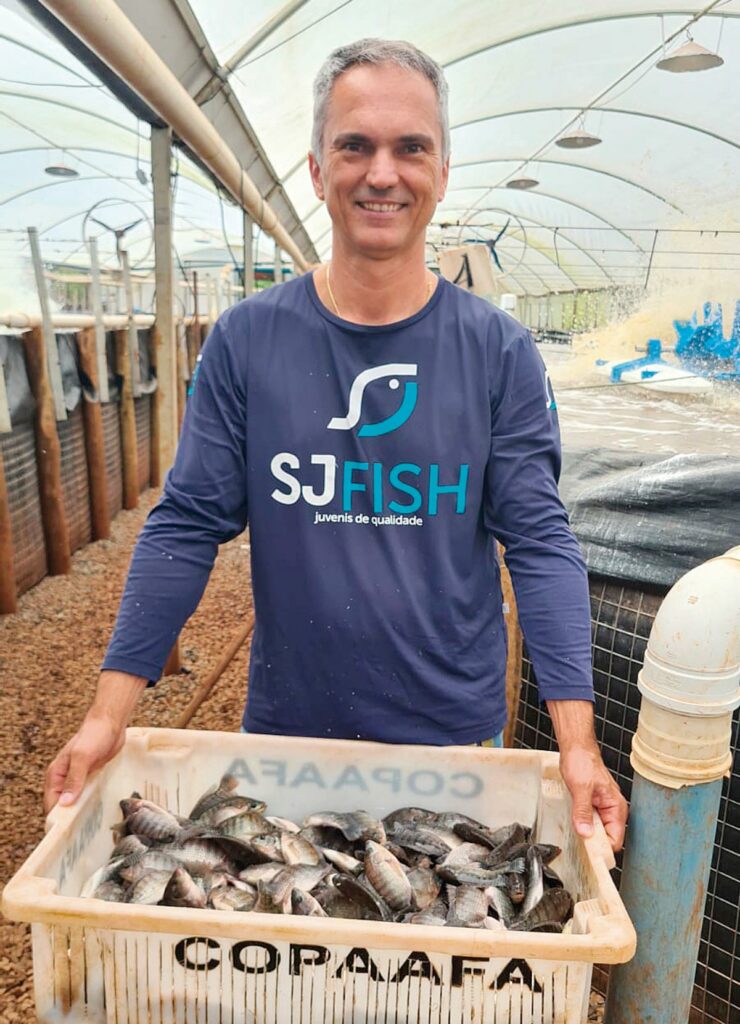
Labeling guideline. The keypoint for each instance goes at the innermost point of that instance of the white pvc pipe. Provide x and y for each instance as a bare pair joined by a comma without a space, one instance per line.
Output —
72,321
691,677
106,30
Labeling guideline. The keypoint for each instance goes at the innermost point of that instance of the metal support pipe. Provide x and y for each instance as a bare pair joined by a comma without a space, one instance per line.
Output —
248,276
97,307
277,266
106,30
680,752
165,402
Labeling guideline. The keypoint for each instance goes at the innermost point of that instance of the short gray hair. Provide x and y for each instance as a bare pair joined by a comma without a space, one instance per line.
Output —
376,51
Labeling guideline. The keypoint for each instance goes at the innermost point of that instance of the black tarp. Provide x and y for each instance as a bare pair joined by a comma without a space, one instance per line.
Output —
648,519
20,397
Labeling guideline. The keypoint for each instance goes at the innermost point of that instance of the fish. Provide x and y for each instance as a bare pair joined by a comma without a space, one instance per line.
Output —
555,905
536,885
469,909
184,891
414,865
357,825
149,889
297,850
305,904
425,886
225,897
387,877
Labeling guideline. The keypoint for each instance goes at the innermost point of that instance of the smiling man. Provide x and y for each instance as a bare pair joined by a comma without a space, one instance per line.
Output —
378,428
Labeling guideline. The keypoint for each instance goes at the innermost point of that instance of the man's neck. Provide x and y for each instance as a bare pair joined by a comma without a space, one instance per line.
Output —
374,292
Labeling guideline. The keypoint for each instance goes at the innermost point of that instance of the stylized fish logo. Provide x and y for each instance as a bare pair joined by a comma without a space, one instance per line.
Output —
550,402
356,392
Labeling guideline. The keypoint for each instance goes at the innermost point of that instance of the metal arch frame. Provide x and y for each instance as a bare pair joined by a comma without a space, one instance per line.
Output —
68,106
603,110
557,199
576,23
567,163
51,60
64,181
565,273
543,252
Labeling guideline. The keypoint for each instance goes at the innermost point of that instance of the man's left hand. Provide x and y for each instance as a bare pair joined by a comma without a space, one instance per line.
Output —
592,787
584,773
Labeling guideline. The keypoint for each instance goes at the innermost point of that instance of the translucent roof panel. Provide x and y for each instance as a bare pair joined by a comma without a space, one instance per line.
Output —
520,75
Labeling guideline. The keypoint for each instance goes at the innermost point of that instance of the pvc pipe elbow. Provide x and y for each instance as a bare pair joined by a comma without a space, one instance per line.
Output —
689,680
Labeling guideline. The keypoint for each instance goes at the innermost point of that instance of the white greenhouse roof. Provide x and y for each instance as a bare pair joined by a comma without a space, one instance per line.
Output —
520,74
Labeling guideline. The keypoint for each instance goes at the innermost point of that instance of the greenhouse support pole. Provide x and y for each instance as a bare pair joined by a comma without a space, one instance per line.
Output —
133,334
92,415
129,448
165,342
48,456
248,280
54,373
97,308
680,753
277,266
8,602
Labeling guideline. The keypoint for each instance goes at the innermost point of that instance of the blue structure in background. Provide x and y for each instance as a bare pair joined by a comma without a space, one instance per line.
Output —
700,347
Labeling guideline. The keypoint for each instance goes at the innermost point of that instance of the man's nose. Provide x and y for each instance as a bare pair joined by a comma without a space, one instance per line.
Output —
382,173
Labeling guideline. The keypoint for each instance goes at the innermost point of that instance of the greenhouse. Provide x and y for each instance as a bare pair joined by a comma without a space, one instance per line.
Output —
381,362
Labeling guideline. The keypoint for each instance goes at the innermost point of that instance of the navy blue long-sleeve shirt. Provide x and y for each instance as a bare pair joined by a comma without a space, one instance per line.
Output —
375,466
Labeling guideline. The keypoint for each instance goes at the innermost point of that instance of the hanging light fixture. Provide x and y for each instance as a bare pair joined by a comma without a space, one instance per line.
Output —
522,183
578,138
690,57
61,170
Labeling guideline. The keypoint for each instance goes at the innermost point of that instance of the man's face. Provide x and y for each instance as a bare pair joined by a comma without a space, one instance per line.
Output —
381,170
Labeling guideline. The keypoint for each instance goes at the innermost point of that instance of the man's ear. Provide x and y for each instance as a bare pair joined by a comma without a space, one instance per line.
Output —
318,185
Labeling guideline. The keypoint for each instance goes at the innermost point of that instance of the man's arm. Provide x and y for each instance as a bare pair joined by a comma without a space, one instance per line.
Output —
590,784
524,512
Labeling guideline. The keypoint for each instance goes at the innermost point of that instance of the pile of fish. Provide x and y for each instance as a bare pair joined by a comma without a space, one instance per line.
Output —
414,866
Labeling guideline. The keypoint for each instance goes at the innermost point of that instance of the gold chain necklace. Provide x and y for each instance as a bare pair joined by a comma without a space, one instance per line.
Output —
430,286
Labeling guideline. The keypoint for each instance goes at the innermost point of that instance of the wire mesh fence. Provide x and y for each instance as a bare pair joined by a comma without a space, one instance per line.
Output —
621,622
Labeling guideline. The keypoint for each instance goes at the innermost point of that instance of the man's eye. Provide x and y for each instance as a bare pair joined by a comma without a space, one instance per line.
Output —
414,147
353,147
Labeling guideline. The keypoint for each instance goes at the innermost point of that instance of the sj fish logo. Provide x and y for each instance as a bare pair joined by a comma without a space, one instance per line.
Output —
391,371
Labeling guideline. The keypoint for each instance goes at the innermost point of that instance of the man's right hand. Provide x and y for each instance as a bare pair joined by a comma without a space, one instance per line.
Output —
99,738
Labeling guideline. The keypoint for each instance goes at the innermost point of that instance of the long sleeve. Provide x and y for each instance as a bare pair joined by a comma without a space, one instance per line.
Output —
523,510
204,504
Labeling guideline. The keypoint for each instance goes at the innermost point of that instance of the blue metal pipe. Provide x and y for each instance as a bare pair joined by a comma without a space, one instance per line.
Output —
665,877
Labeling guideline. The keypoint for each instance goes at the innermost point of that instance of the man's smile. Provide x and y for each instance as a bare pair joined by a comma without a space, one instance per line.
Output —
375,207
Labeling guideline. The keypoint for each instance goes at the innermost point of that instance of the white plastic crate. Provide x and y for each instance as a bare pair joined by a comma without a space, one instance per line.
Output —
127,964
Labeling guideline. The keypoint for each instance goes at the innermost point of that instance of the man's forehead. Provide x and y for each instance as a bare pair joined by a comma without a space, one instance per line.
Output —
408,98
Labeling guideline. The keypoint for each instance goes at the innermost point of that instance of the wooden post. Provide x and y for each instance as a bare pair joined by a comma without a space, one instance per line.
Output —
164,341
5,425
193,340
48,457
133,334
248,276
128,422
8,602
277,266
54,373
514,656
94,437
97,308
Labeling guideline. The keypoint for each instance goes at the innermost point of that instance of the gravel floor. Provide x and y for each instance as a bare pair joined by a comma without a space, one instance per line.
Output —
50,652
49,656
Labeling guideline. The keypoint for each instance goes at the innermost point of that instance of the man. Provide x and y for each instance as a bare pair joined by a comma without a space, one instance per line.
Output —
378,427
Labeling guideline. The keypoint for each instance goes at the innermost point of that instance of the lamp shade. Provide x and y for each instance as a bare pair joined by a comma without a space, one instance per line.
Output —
522,183
690,57
578,139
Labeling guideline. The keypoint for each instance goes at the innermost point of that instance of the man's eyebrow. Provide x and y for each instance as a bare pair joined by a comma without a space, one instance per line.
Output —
417,137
